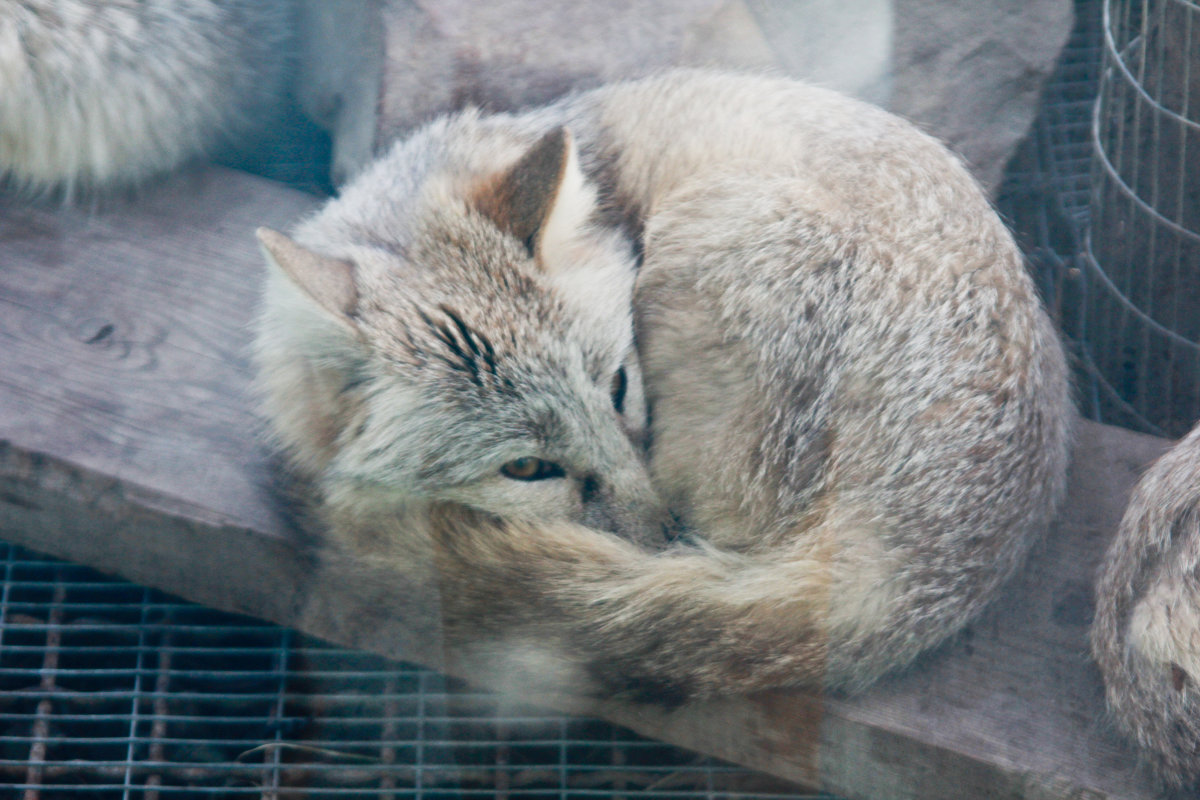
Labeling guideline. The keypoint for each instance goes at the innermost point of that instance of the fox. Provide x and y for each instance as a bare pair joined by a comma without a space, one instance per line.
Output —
693,385
1146,631
101,95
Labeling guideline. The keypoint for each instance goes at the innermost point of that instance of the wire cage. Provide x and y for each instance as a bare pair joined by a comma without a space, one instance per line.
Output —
109,690
1141,328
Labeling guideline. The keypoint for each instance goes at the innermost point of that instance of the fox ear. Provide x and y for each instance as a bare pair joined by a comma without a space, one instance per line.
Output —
542,199
328,281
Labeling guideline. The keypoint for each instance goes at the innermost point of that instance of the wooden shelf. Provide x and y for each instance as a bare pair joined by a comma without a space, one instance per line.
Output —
127,443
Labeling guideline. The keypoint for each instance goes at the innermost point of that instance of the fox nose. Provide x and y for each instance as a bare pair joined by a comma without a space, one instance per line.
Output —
629,508
673,528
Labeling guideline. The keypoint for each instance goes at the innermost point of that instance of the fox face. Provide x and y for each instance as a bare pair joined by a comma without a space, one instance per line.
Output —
491,356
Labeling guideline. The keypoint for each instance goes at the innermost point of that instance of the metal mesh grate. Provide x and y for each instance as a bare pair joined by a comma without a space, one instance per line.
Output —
1061,131
108,690
1143,316
1105,197
1046,198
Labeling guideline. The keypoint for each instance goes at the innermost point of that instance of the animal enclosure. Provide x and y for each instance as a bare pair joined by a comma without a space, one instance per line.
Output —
114,690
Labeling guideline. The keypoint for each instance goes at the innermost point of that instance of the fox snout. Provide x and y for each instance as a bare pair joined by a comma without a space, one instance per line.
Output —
628,506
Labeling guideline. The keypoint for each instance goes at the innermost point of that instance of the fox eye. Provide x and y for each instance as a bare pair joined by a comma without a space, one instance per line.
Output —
532,469
619,384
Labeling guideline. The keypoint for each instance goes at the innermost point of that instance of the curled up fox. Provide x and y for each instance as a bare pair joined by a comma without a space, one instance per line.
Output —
1146,633
782,326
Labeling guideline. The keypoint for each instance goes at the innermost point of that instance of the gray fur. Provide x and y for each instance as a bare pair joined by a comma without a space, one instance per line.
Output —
102,93
860,411
1146,635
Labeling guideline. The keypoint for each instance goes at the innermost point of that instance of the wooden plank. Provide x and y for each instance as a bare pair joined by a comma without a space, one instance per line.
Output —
127,443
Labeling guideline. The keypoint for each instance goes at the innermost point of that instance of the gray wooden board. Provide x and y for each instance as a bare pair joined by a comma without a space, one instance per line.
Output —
127,443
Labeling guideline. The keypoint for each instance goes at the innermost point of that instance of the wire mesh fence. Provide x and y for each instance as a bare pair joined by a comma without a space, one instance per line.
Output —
1143,316
109,690
1046,195
1105,198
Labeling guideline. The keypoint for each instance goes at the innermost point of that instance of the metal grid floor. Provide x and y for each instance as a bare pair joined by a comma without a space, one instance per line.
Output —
110,690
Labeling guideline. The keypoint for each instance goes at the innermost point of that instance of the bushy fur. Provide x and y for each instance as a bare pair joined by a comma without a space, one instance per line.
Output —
1146,635
102,93
859,410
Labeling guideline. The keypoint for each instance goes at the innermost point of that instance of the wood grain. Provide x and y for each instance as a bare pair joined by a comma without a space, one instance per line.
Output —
127,443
